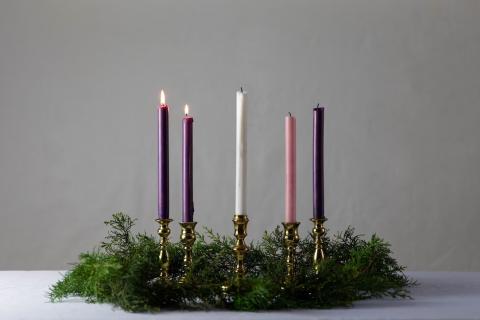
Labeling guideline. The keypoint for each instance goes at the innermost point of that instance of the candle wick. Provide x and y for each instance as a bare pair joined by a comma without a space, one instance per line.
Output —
318,105
241,89
289,114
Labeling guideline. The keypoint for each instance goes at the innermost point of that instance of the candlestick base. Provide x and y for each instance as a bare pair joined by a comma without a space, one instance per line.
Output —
187,238
291,239
164,233
240,222
318,232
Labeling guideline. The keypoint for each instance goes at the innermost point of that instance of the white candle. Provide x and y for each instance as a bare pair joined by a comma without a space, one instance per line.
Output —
241,155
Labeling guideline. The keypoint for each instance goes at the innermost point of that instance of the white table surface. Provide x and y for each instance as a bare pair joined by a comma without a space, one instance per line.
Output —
440,295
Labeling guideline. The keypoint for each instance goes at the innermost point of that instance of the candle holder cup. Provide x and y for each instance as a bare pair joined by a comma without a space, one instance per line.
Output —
318,232
187,238
291,239
164,233
240,222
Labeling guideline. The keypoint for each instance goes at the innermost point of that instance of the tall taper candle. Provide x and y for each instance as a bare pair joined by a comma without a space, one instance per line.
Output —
290,169
318,181
241,155
163,187
187,168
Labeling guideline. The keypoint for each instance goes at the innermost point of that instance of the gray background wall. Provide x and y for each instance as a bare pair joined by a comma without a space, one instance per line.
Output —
78,89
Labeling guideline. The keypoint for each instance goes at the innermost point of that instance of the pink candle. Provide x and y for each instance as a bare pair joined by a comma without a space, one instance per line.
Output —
290,169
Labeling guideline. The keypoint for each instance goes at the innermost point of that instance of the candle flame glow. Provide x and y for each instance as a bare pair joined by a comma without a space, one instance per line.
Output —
186,109
162,97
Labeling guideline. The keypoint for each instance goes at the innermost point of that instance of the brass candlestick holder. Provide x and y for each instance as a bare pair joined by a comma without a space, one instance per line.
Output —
291,238
187,238
318,232
164,232
240,222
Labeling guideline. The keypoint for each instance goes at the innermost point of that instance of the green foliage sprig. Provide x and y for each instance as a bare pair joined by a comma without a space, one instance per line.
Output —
123,269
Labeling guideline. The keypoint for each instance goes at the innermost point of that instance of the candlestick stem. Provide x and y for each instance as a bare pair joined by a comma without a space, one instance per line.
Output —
318,232
187,238
164,232
240,222
291,238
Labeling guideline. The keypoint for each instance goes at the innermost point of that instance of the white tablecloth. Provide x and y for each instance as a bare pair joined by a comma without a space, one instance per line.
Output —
440,295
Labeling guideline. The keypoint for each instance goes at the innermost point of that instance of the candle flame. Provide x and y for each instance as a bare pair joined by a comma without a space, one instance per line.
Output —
162,97
186,109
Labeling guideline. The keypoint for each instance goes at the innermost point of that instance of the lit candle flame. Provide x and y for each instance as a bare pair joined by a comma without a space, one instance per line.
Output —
162,97
186,109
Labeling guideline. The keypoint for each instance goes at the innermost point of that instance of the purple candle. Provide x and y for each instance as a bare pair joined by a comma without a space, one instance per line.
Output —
318,201
163,191
187,167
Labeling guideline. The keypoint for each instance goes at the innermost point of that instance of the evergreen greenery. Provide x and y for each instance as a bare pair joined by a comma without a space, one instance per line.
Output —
123,269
